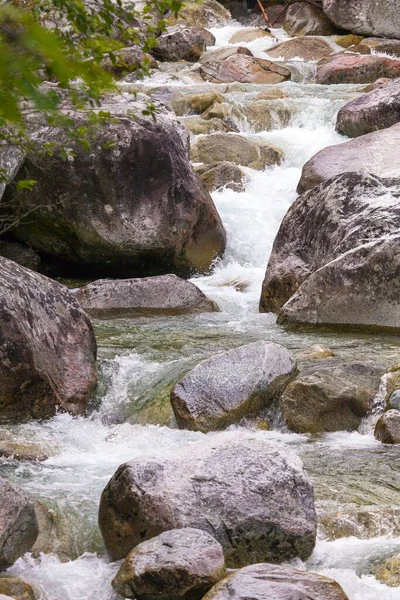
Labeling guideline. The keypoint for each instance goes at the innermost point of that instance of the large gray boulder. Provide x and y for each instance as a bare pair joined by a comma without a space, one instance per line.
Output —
47,347
184,43
323,224
18,524
163,295
347,67
273,582
366,17
334,398
375,110
361,288
181,563
306,48
375,153
251,495
130,206
230,386
304,18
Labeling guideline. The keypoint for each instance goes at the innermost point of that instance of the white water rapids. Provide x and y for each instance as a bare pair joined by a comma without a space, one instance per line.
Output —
140,357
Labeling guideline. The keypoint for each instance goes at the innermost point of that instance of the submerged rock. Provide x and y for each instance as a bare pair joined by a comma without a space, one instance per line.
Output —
163,295
303,18
365,16
222,174
273,582
245,69
387,429
131,206
375,153
360,288
47,349
17,589
330,399
230,386
355,68
251,495
324,223
238,149
306,48
181,563
377,109
18,524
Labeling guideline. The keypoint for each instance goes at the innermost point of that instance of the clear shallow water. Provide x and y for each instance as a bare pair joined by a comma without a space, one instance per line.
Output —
356,479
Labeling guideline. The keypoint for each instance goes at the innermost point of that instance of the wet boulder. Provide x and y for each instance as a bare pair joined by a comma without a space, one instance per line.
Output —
388,571
238,149
360,288
186,43
47,347
304,18
366,17
251,495
16,588
347,67
324,223
222,54
273,582
306,48
200,126
375,152
244,69
180,564
330,398
131,206
230,386
222,174
18,524
163,295
377,109
195,104
375,44
387,429
249,35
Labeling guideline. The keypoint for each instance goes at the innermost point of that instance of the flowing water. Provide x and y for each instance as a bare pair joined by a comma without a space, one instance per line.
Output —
356,479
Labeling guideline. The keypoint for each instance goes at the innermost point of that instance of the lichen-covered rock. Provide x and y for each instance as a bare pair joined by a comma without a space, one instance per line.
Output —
377,109
23,255
355,68
360,288
17,589
200,126
195,103
331,398
388,571
238,149
163,295
367,17
207,13
374,152
47,347
306,48
180,564
245,69
131,206
222,174
324,223
128,60
230,386
304,18
18,524
186,43
251,495
273,582
387,429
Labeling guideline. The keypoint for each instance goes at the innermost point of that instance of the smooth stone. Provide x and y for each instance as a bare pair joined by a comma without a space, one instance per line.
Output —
345,67
316,352
245,69
180,564
275,582
306,48
18,525
387,429
222,54
251,495
372,44
222,175
330,398
231,386
375,110
238,149
47,349
249,35
302,19
162,295
345,41
366,17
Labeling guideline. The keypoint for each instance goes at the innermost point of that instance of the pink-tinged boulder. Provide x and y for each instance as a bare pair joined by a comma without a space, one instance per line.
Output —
346,67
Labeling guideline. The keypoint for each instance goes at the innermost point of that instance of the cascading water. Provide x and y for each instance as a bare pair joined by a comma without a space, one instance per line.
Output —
354,476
